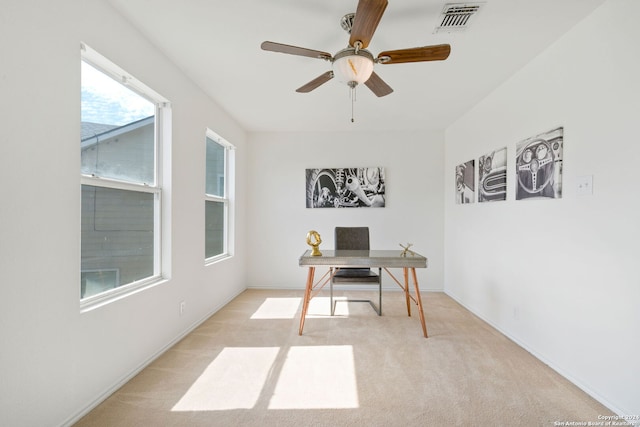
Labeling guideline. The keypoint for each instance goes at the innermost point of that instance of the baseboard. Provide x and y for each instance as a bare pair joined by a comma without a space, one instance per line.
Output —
549,363
122,381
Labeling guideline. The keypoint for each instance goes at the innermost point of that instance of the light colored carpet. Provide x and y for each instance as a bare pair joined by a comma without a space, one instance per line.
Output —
247,366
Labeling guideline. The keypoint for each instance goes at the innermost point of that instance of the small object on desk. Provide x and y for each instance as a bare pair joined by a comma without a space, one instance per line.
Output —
314,244
406,249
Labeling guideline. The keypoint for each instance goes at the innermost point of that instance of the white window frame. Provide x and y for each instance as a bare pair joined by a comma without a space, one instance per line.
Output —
163,114
227,199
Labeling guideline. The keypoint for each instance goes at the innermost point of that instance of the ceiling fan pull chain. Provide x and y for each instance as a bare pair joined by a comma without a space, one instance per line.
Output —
353,99
352,120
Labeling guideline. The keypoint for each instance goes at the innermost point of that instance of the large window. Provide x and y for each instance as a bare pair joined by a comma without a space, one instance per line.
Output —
121,180
218,190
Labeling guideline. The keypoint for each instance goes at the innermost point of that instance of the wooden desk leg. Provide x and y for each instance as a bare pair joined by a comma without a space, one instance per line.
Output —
307,297
406,290
415,282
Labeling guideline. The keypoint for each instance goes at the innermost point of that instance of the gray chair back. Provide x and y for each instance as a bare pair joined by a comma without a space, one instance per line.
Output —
352,238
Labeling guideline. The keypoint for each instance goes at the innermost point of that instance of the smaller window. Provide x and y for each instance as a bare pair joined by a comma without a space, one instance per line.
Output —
218,188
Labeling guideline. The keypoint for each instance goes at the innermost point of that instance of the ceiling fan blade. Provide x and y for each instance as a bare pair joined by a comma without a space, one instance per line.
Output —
417,54
378,86
294,50
315,82
368,15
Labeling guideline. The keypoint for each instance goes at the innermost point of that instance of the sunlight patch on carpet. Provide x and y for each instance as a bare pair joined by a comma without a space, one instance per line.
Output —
277,308
320,307
234,380
317,377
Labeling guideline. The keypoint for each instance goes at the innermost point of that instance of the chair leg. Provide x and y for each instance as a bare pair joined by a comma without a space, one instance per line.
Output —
377,309
379,291
333,307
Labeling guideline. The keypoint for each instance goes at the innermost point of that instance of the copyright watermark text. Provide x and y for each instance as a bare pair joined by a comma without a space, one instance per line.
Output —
604,420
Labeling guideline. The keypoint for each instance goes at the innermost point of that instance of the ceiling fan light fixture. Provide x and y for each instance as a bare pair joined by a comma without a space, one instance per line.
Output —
353,66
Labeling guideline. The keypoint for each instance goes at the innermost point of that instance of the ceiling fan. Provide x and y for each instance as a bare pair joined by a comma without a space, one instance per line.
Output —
354,64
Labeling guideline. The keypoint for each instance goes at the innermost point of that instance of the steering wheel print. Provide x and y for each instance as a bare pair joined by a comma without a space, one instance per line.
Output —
535,166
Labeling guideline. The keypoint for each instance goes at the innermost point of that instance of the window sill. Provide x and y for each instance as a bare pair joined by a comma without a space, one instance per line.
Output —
216,259
105,298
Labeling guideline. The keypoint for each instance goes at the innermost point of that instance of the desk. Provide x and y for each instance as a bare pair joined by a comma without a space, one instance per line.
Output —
383,259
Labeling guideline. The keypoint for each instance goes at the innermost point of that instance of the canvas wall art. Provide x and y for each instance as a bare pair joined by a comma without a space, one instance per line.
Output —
539,166
465,182
345,188
492,176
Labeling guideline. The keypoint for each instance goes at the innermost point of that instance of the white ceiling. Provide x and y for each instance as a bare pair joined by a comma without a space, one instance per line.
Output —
217,44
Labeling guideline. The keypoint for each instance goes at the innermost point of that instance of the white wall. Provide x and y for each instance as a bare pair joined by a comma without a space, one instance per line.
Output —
55,361
560,276
557,276
279,221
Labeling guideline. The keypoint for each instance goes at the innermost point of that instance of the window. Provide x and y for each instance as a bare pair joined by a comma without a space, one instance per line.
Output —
122,131
218,188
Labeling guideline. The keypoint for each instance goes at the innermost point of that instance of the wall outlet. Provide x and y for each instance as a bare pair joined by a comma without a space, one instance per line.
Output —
182,306
584,185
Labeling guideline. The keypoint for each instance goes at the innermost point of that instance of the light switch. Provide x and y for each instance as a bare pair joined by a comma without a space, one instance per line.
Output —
584,185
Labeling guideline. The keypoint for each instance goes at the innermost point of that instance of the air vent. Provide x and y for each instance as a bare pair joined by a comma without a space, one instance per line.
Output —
457,17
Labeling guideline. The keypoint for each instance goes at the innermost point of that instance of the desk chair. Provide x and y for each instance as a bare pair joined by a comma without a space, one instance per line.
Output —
355,238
